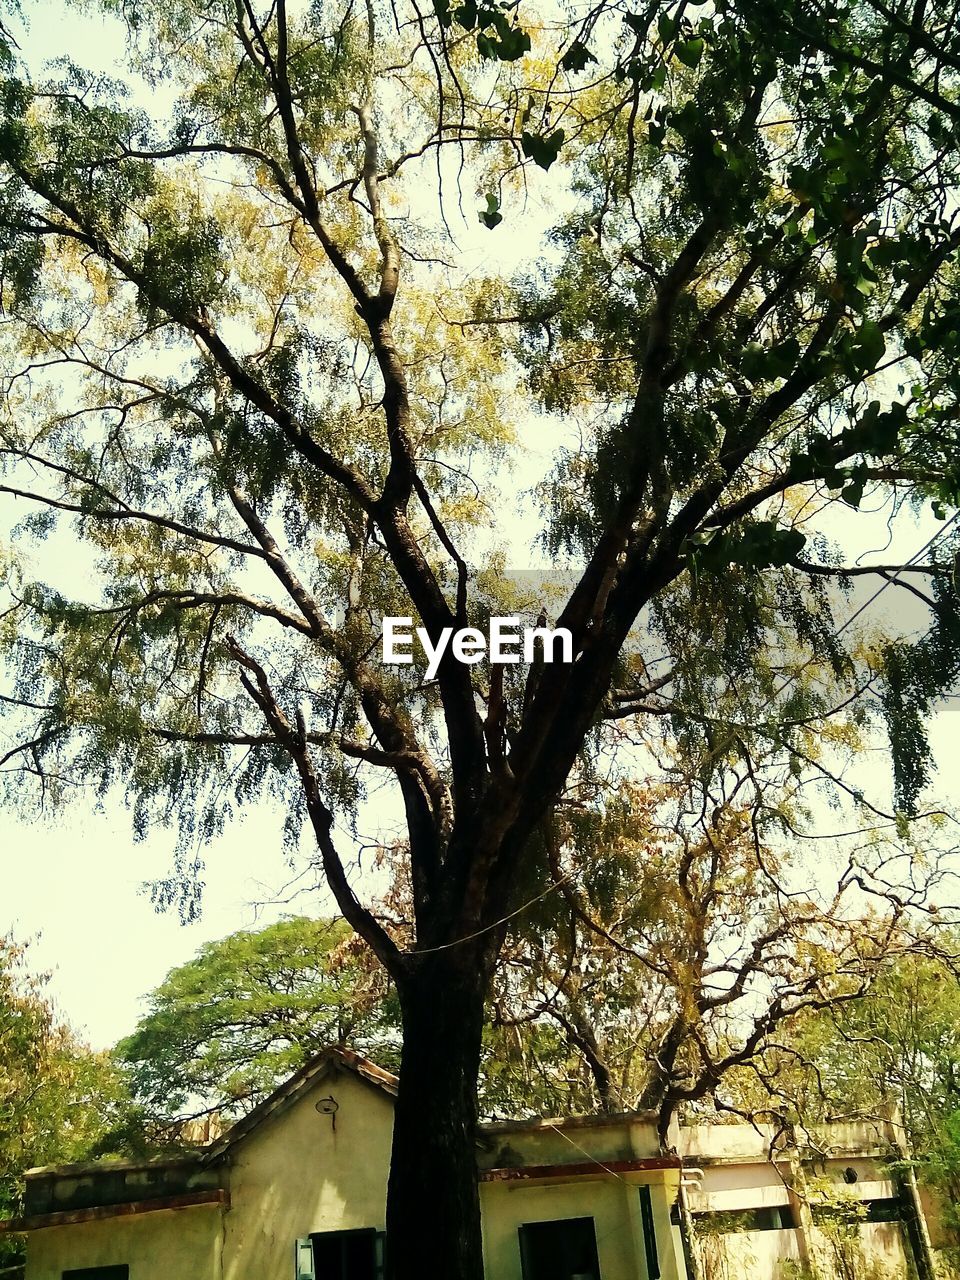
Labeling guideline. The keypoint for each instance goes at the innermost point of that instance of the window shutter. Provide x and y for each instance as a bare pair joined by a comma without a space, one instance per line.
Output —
304,1260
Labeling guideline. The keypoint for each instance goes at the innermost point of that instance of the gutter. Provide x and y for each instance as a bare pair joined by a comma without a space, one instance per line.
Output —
530,1172
69,1217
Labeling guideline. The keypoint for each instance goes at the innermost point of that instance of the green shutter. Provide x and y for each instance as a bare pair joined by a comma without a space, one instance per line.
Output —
304,1260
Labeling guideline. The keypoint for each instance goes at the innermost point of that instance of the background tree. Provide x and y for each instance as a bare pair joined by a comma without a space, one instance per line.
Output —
899,1046
699,931
224,1029
238,366
58,1100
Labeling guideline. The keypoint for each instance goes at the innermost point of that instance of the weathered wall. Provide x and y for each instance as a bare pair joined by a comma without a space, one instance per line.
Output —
614,1204
749,1255
116,1182
302,1171
870,1251
735,1187
563,1141
181,1244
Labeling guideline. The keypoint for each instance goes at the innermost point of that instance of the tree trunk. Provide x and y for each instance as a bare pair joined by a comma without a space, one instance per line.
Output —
433,1203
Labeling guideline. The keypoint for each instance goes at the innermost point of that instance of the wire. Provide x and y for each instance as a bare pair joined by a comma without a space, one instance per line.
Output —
592,1159
888,582
634,1215
445,946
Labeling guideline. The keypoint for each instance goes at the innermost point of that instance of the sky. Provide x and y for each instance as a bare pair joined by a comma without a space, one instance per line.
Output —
73,881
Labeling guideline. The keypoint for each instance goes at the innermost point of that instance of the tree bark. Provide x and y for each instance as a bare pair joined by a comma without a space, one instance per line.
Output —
433,1202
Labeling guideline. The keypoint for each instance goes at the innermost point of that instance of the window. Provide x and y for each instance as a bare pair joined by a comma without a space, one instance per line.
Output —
348,1255
777,1217
858,1211
562,1250
883,1211
98,1273
649,1234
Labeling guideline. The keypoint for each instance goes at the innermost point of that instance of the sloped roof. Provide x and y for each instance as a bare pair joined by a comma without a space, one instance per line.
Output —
188,1166
102,1189
292,1089
332,1059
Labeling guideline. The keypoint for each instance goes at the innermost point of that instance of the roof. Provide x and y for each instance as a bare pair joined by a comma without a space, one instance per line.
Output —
327,1062
598,1120
332,1059
71,1193
110,1187
338,1059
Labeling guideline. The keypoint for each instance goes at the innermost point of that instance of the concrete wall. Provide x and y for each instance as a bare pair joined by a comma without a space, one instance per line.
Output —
749,1255
873,1251
876,1251
300,1172
73,1187
735,1187
181,1244
562,1141
744,1141
614,1204
738,1176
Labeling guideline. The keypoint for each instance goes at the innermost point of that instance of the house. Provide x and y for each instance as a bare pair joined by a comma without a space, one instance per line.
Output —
766,1210
297,1189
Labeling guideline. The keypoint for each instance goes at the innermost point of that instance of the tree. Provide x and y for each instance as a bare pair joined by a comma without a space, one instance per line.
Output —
237,362
701,936
57,1098
899,1046
224,1029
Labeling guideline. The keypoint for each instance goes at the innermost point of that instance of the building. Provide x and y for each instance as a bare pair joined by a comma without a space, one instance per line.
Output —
765,1211
297,1189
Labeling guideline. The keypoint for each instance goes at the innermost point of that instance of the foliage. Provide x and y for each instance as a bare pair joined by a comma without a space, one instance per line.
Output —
241,372
58,1100
697,933
224,1029
897,1046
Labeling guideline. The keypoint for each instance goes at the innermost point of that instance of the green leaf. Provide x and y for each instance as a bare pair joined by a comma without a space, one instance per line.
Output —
576,57
491,215
868,346
542,149
760,546
466,14
509,45
763,364
852,493
689,51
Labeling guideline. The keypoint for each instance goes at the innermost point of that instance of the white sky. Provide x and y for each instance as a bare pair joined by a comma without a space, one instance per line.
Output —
73,881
